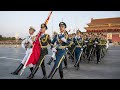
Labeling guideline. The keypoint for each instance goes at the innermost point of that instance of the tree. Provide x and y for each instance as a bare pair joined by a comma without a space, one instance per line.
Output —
13,38
0,36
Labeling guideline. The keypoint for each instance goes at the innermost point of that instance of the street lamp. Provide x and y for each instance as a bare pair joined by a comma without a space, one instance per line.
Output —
16,38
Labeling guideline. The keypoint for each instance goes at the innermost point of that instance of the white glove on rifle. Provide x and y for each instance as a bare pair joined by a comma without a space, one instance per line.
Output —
54,50
64,40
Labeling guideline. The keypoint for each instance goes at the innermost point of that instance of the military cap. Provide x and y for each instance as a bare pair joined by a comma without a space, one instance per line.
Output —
78,31
44,25
55,33
31,28
62,23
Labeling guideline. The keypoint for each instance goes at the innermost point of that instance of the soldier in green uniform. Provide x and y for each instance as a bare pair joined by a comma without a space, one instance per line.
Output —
44,42
103,42
85,43
89,46
97,46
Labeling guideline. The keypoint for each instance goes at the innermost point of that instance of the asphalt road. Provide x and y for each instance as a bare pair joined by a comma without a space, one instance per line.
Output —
108,68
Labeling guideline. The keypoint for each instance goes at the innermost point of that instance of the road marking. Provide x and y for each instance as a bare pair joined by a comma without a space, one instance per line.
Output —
11,58
17,59
12,52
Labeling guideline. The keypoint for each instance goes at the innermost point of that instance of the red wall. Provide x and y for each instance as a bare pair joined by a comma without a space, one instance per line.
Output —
115,38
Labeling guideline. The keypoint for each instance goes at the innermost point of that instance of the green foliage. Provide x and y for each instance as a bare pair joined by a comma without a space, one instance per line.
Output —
6,38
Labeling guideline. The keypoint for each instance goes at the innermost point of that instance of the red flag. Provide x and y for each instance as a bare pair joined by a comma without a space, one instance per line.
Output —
35,54
34,57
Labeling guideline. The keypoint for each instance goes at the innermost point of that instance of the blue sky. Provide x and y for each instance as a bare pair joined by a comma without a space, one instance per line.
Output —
12,22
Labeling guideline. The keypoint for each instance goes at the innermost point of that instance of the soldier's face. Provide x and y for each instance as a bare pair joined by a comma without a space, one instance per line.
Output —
43,29
31,32
62,28
78,33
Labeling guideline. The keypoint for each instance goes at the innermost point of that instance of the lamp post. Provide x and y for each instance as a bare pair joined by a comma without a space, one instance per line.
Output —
16,39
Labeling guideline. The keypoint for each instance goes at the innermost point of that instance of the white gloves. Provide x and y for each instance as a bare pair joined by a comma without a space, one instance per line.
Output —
63,39
96,42
54,50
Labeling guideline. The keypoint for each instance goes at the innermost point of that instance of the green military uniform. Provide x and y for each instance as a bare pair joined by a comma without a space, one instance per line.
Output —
71,48
97,47
103,47
89,48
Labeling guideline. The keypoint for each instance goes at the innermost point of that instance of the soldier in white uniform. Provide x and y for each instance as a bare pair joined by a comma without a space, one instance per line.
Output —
27,44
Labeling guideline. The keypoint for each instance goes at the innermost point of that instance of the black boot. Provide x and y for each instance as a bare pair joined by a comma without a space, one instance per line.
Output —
65,67
44,77
31,69
54,69
50,61
65,62
44,73
61,74
98,61
33,72
77,68
17,70
75,64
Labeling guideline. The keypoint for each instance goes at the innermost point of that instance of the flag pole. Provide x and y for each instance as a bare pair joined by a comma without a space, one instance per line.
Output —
52,25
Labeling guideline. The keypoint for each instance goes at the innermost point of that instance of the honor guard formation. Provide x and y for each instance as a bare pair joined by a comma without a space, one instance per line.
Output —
74,47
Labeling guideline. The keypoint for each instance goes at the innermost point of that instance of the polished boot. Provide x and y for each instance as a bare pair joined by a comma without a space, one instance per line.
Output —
44,77
44,73
50,61
52,72
98,61
33,72
61,74
65,62
75,64
77,68
31,69
49,76
17,70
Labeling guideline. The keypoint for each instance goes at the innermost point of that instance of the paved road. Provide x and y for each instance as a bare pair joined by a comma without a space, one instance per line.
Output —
108,68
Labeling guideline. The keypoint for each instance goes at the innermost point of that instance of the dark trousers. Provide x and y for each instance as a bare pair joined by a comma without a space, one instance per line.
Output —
98,49
88,50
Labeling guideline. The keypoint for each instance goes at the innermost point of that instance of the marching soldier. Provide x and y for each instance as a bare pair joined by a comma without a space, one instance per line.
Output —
71,48
60,49
44,42
53,53
27,44
78,41
89,46
103,42
97,46
65,59
85,44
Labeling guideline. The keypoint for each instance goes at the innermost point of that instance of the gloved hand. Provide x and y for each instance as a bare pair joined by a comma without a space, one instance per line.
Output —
54,50
85,46
66,48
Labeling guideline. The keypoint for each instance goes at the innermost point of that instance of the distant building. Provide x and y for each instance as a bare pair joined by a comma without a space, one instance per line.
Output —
110,27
